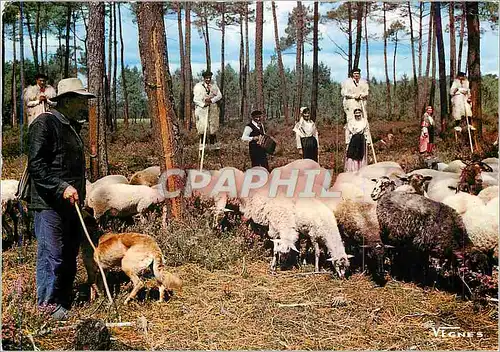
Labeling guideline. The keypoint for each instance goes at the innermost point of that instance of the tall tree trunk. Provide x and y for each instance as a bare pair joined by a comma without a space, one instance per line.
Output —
21,59
60,53
298,62
461,39
394,64
366,43
223,29
425,94
153,59
37,29
453,46
109,77
75,48
206,37
14,83
182,104
115,64
420,34
349,34
242,70
247,64
187,66
314,91
42,61
434,53
259,33
359,30
96,76
474,67
34,49
387,82
122,65
66,54
46,46
415,79
284,91
443,90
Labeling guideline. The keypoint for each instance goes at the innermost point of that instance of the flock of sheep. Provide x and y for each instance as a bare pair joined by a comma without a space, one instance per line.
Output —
385,219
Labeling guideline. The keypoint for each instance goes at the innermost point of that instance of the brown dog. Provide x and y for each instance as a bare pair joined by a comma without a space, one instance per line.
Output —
134,252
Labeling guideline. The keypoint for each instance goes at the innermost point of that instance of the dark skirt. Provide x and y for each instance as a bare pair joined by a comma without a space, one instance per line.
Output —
258,155
357,147
309,148
431,133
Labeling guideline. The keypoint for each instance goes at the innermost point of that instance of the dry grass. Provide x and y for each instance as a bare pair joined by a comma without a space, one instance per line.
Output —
229,300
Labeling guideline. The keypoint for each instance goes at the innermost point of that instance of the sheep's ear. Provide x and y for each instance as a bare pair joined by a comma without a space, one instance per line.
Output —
485,167
453,188
427,178
349,256
374,180
404,177
329,260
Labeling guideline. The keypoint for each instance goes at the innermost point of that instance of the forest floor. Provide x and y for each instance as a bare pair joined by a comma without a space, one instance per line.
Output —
229,299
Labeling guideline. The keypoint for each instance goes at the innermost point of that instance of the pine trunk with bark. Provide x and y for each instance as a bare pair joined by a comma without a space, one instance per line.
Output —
359,31
115,68
206,37
14,83
434,54
366,42
223,34
387,81
34,49
21,62
420,34
461,39
188,112
182,103
247,64
153,59
415,79
425,93
259,34
96,75
394,63
67,51
314,90
453,46
473,60
109,77
298,62
122,66
75,48
37,28
42,61
242,70
281,68
443,87
349,35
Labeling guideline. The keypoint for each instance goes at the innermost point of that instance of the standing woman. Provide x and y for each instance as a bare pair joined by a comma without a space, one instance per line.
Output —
357,138
426,141
307,135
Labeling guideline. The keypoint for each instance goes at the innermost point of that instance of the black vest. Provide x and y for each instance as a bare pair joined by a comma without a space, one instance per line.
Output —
255,132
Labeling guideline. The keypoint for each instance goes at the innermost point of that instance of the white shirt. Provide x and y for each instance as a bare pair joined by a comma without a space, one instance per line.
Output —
200,93
352,89
305,128
246,132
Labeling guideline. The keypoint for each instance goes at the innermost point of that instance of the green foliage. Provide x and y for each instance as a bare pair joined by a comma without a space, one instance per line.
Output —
290,38
137,99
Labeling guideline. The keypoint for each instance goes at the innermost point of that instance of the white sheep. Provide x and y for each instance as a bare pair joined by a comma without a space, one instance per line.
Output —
481,223
103,181
122,200
488,194
147,177
384,168
455,166
462,202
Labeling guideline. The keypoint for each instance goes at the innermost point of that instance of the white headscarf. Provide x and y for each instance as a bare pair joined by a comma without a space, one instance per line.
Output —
356,126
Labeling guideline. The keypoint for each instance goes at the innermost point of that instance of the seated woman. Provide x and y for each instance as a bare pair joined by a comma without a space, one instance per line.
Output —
357,137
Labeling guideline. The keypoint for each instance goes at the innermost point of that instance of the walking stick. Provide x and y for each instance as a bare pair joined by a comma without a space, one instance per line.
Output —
204,140
369,131
468,128
108,293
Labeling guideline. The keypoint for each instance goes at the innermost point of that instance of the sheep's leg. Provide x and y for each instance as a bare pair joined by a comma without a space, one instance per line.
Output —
162,293
316,256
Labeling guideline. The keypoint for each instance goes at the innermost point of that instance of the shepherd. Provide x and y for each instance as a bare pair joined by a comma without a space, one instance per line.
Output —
206,95
307,135
355,92
38,97
357,137
253,134
426,141
460,101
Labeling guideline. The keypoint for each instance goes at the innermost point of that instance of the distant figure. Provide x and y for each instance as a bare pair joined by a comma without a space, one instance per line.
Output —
460,101
426,141
37,97
355,92
253,134
357,138
307,135
206,95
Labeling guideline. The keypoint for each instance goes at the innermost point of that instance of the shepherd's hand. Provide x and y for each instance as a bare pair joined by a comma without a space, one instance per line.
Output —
71,193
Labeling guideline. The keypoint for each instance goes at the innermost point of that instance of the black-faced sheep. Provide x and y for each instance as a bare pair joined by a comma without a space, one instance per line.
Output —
14,209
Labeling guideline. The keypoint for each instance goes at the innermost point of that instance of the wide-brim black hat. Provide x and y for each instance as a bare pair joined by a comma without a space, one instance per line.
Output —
207,74
256,113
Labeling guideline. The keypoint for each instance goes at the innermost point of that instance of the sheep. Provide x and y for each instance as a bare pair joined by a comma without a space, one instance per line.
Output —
456,166
462,202
420,228
14,208
471,179
353,187
384,168
106,180
488,193
147,177
122,200
493,163
481,223
439,189
416,183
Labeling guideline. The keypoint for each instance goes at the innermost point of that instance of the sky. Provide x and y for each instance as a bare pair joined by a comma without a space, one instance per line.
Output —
330,33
